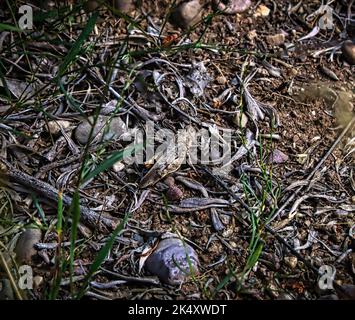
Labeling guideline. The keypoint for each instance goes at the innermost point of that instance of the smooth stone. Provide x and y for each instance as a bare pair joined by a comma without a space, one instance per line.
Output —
101,132
169,261
232,6
25,250
348,50
262,11
187,14
55,125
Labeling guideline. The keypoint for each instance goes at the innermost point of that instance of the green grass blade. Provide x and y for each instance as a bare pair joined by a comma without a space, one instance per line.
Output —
60,214
59,269
8,27
224,282
40,210
101,256
76,48
75,209
254,257
110,161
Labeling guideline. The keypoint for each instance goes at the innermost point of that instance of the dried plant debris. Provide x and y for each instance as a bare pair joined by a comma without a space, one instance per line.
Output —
198,79
178,150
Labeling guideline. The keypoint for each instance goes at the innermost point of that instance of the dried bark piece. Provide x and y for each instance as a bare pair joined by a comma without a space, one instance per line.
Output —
275,39
170,160
171,261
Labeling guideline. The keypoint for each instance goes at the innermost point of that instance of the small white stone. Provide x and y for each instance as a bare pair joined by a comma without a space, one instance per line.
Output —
118,166
262,11
291,261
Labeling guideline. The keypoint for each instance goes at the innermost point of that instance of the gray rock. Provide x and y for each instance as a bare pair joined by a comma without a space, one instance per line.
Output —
25,250
170,262
105,129
348,50
187,14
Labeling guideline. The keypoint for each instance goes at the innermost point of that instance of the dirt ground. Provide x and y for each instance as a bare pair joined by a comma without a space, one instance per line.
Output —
285,219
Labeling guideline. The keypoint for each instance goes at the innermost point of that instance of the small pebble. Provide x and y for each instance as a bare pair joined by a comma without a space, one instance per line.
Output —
118,166
291,262
278,157
348,50
55,125
169,181
25,250
102,131
276,39
262,11
187,14
91,5
174,193
169,261
221,80
252,34
232,6
284,296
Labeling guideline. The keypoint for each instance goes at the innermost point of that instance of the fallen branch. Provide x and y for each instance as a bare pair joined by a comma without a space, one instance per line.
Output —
88,216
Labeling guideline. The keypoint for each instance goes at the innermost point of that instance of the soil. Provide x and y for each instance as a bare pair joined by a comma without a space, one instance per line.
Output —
311,118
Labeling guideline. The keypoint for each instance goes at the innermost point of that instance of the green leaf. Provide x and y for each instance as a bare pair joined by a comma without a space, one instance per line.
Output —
7,27
254,257
101,256
75,209
76,48
110,161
